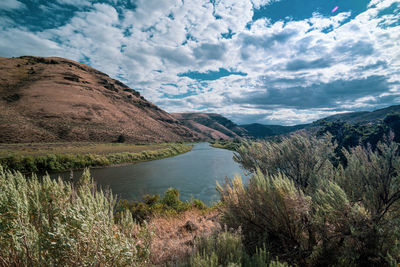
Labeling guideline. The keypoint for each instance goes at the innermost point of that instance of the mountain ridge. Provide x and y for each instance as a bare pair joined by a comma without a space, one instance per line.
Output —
258,130
362,116
211,125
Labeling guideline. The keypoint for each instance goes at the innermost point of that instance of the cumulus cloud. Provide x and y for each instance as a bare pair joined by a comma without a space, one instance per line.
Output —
11,5
28,44
262,3
301,64
319,95
286,71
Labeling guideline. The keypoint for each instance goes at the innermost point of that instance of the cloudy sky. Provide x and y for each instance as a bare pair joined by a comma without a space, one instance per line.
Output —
267,61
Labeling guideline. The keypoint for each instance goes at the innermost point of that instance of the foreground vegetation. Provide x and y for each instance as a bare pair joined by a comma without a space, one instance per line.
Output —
76,157
226,249
309,210
53,223
310,201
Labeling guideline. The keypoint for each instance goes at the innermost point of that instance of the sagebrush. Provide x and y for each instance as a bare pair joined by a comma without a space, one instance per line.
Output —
54,223
309,210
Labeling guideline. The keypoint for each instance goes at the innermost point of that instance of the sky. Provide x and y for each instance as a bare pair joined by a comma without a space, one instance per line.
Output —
267,61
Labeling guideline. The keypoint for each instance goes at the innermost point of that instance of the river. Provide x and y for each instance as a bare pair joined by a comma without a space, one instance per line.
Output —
194,174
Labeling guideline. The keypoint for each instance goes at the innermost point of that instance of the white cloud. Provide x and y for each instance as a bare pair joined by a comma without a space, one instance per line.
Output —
79,3
292,117
11,5
261,3
28,44
150,45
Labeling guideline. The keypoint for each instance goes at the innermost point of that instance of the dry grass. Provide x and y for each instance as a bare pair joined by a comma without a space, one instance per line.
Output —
172,242
70,101
37,149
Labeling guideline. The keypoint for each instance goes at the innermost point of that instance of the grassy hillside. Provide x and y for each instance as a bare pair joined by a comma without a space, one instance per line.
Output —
210,125
56,99
261,131
363,116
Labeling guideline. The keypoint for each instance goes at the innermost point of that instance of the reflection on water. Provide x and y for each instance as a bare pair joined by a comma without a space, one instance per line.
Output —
194,174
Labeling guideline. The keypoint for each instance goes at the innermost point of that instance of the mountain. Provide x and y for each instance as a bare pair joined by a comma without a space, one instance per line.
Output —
363,116
211,125
257,130
261,131
56,99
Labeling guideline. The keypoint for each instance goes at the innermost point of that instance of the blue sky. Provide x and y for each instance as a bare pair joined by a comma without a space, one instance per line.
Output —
267,61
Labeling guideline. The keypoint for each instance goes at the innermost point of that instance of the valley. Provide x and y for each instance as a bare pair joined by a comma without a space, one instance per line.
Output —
183,175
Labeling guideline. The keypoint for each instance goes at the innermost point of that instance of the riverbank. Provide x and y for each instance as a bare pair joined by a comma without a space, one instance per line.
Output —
57,157
232,145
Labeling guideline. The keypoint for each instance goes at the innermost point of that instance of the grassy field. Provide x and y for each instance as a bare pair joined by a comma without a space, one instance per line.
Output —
39,149
51,157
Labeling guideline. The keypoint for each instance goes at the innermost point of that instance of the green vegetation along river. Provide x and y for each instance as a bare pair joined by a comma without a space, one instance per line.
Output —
194,174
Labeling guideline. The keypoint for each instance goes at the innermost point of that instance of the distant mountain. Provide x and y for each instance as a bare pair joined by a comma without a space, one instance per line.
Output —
363,116
211,125
56,99
261,131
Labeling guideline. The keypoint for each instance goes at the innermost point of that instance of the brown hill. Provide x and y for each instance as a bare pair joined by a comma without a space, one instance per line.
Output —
211,125
55,99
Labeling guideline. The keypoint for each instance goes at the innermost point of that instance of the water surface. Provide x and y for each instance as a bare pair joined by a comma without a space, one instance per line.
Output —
194,174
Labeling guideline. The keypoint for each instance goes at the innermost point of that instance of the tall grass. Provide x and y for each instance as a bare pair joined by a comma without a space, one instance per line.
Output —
53,223
62,162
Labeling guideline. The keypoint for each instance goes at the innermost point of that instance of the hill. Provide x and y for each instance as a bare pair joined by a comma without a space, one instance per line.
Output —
56,99
261,131
211,125
363,116
257,130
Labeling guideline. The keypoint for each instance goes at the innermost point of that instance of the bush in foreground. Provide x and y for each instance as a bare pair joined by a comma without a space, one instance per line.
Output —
308,212
53,223
226,249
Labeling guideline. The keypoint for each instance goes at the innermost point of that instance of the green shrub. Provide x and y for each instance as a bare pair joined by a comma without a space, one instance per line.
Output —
151,199
171,198
52,223
218,249
226,249
152,205
198,204
309,212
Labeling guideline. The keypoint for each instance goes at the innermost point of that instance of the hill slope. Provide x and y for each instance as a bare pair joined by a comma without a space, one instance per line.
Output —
363,116
257,130
55,99
211,125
